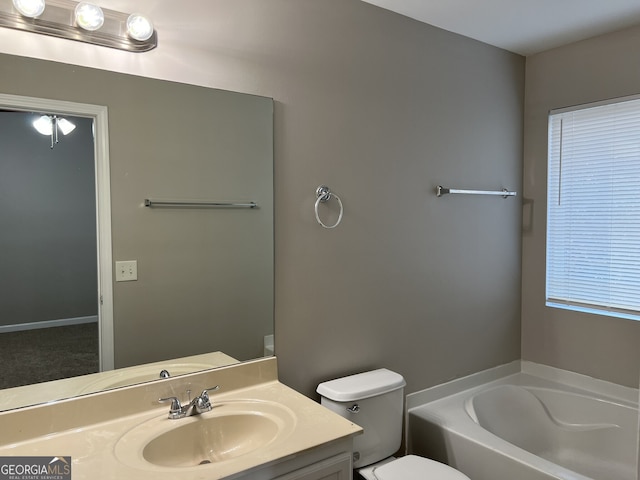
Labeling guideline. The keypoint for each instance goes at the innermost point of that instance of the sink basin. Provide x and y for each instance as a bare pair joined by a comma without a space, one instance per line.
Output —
231,430
211,440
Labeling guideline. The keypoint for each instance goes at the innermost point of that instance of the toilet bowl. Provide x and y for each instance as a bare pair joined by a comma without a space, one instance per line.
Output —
374,400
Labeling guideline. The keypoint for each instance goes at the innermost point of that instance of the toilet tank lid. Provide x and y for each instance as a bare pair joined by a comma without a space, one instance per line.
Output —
361,385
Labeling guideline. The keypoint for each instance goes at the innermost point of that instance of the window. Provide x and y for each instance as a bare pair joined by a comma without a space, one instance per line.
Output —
593,202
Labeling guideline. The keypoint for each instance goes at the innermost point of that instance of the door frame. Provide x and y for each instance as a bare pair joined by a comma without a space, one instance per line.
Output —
99,114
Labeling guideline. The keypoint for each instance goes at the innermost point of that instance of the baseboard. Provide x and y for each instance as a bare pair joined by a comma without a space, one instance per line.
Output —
63,322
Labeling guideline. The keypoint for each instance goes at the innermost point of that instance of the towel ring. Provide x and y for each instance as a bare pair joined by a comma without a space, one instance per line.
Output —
324,195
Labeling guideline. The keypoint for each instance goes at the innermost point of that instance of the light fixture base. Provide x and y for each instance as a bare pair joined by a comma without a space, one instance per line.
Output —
58,20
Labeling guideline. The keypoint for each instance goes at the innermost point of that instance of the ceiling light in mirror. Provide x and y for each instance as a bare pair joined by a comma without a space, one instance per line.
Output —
47,125
88,16
65,126
29,8
139,27
43,125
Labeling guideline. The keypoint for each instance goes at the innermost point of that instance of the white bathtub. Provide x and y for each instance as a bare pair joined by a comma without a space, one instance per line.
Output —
536,423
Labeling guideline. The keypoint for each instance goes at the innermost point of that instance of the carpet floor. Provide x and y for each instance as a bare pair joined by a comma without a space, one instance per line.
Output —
35,356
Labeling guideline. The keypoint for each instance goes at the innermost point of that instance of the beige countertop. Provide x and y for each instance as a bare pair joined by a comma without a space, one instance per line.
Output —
90,429
26,395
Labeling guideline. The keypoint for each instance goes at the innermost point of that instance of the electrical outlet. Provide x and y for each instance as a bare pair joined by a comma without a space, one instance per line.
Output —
127,271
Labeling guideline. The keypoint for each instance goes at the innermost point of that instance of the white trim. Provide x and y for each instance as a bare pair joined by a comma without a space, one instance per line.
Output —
594,310
103,198
63,322
103,203
600,103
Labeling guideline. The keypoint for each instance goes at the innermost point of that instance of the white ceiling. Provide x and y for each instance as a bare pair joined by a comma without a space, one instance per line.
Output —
521,26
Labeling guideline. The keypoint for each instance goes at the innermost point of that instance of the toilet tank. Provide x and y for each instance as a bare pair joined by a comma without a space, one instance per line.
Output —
375,401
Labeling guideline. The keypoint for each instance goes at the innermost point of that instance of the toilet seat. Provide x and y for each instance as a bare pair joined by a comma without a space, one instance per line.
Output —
412,467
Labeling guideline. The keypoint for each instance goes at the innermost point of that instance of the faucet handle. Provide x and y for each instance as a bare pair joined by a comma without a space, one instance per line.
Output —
176,410
204,402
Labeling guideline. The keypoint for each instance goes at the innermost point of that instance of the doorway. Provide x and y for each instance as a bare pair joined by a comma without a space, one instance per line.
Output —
62,188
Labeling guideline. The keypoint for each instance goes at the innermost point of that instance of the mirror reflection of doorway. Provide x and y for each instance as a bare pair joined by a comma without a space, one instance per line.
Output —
48,249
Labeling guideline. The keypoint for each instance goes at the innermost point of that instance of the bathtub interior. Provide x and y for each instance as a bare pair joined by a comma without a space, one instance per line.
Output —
535,428
590,436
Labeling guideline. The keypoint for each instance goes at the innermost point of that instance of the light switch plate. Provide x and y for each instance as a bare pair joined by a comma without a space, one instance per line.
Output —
127,271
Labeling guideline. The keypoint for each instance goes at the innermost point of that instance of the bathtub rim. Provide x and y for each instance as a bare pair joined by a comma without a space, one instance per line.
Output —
579,381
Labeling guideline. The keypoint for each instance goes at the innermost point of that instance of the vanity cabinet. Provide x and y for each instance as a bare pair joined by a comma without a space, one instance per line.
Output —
335,468
332,461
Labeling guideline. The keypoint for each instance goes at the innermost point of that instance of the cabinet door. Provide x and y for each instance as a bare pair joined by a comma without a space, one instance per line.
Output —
334,468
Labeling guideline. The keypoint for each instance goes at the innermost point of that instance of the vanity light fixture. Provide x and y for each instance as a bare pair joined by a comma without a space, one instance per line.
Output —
49,125
83,21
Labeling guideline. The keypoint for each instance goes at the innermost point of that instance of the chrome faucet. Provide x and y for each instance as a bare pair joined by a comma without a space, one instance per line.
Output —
200,404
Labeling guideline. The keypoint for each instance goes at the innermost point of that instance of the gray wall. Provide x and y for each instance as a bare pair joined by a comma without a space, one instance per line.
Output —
48,226
382,109
600,346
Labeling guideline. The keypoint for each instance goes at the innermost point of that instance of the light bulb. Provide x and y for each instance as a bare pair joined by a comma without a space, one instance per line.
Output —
29,8
44,125
88,16
139,27
66,127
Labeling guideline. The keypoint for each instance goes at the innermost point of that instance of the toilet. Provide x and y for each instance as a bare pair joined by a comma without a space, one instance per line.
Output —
374,400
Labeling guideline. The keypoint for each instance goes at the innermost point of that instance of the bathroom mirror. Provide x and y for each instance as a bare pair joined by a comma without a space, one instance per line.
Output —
204,275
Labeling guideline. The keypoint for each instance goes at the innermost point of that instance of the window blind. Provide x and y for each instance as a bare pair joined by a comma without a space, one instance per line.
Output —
593,207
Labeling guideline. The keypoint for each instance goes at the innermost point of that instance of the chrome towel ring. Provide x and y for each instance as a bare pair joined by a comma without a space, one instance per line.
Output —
324,194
